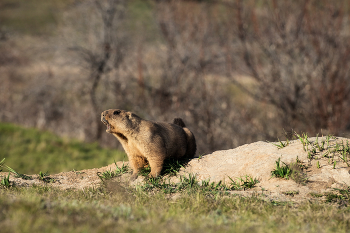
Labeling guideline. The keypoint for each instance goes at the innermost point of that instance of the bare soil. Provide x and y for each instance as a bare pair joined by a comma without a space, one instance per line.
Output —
256,160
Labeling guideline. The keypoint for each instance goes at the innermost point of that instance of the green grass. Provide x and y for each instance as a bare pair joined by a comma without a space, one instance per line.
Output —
294,171
328,147
110,174
44,209
281,144
190,184
29,151
283,171
5,181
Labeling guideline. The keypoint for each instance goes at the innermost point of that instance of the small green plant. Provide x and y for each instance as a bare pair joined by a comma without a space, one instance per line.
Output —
318,164
41,175
281,171
200,156
145,171
320,146
304,140
106,175
246,183
293,171
189,182
6,181
121,170
328,138
110,174
345,193
159,183
344,152
333,197
335,162
339,196
214,187
45,177
16,174
280,144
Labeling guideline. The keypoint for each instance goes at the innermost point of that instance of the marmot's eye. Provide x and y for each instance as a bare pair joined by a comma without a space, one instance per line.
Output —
116,112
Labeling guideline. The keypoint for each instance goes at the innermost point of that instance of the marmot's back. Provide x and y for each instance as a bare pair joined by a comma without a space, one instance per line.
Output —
191,140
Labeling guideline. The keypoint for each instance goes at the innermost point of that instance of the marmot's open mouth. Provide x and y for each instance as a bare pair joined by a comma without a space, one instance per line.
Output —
107,124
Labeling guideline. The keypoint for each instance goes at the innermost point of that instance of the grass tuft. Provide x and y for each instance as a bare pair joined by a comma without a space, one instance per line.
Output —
293,171
6,181
45,177
246,183
283,171
110,174
281,144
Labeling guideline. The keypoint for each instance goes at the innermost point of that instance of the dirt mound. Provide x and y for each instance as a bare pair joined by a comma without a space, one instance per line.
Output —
323,169
257,160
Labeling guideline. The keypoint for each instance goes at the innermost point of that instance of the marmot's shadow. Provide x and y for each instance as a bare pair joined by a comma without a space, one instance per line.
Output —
173,166
170,167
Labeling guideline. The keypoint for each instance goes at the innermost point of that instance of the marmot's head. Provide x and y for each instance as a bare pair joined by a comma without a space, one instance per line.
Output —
119,121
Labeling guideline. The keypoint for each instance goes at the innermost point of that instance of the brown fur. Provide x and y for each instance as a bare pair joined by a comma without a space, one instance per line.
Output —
147,142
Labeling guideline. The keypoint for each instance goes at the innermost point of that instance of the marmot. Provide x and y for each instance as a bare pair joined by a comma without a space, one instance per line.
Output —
148,142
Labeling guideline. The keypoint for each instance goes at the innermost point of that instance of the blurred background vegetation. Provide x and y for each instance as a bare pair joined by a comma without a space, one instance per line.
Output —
236,71
30,151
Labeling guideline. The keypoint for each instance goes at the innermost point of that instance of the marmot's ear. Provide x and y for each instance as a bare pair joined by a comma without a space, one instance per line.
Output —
116,112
